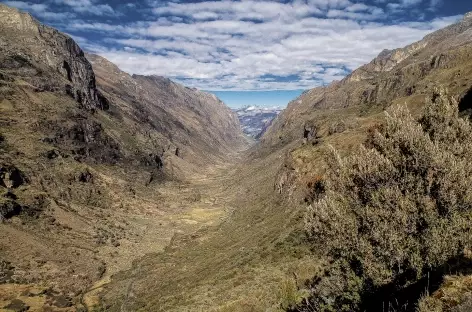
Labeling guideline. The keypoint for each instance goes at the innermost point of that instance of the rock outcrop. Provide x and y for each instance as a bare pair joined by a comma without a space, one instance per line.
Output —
36,52
11,177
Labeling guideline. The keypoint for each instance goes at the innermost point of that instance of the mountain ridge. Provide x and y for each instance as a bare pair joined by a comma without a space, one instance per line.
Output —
177,112
391,75
255,120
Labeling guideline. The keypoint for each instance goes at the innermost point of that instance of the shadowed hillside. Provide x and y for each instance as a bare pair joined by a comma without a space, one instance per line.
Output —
191,129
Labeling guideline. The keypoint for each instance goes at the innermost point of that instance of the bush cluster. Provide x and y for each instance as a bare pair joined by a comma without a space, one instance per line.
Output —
398,207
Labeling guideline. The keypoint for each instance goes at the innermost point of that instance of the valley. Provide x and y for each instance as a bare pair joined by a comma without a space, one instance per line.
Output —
186,209
125,192
179,210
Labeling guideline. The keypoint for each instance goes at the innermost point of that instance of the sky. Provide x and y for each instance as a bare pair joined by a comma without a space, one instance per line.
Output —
273,98
250,52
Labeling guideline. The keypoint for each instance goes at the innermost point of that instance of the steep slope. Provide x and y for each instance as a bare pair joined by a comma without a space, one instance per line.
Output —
40,55
93,171
200,130
340,114
441,58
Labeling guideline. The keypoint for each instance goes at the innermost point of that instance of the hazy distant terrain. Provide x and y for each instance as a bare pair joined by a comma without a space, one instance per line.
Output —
254,120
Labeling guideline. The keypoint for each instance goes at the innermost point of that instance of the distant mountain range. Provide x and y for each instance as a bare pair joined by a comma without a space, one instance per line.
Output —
254,120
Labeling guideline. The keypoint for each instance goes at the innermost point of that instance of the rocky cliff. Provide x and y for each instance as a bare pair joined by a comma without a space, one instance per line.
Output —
38,53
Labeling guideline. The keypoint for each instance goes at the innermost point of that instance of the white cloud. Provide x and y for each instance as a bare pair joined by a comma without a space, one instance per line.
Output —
409,3
374,15
237,10
404,5
47,10
41,10
330,4
24,5
435,4
205,15
88,6
210,56
358,7
239,45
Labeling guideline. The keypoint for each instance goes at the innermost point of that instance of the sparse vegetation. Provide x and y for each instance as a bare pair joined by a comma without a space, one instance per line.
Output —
454,295
396,209
337,127
290,294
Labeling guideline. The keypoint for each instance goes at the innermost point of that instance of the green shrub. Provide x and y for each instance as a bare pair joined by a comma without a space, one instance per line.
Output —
399,206
290,295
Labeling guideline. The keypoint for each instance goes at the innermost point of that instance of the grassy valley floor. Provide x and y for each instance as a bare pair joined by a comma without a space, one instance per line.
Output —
241,254
154,222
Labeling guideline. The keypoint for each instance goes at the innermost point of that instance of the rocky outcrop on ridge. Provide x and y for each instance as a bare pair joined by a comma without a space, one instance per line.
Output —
38,53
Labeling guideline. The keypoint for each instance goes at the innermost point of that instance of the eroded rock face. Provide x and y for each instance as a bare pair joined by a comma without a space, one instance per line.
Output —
79,72
84,176
33,49
86,139
11,177
465,103
309,131
9,208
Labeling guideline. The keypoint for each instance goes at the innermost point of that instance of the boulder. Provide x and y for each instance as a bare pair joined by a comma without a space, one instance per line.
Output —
17,305
11,177
9,208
